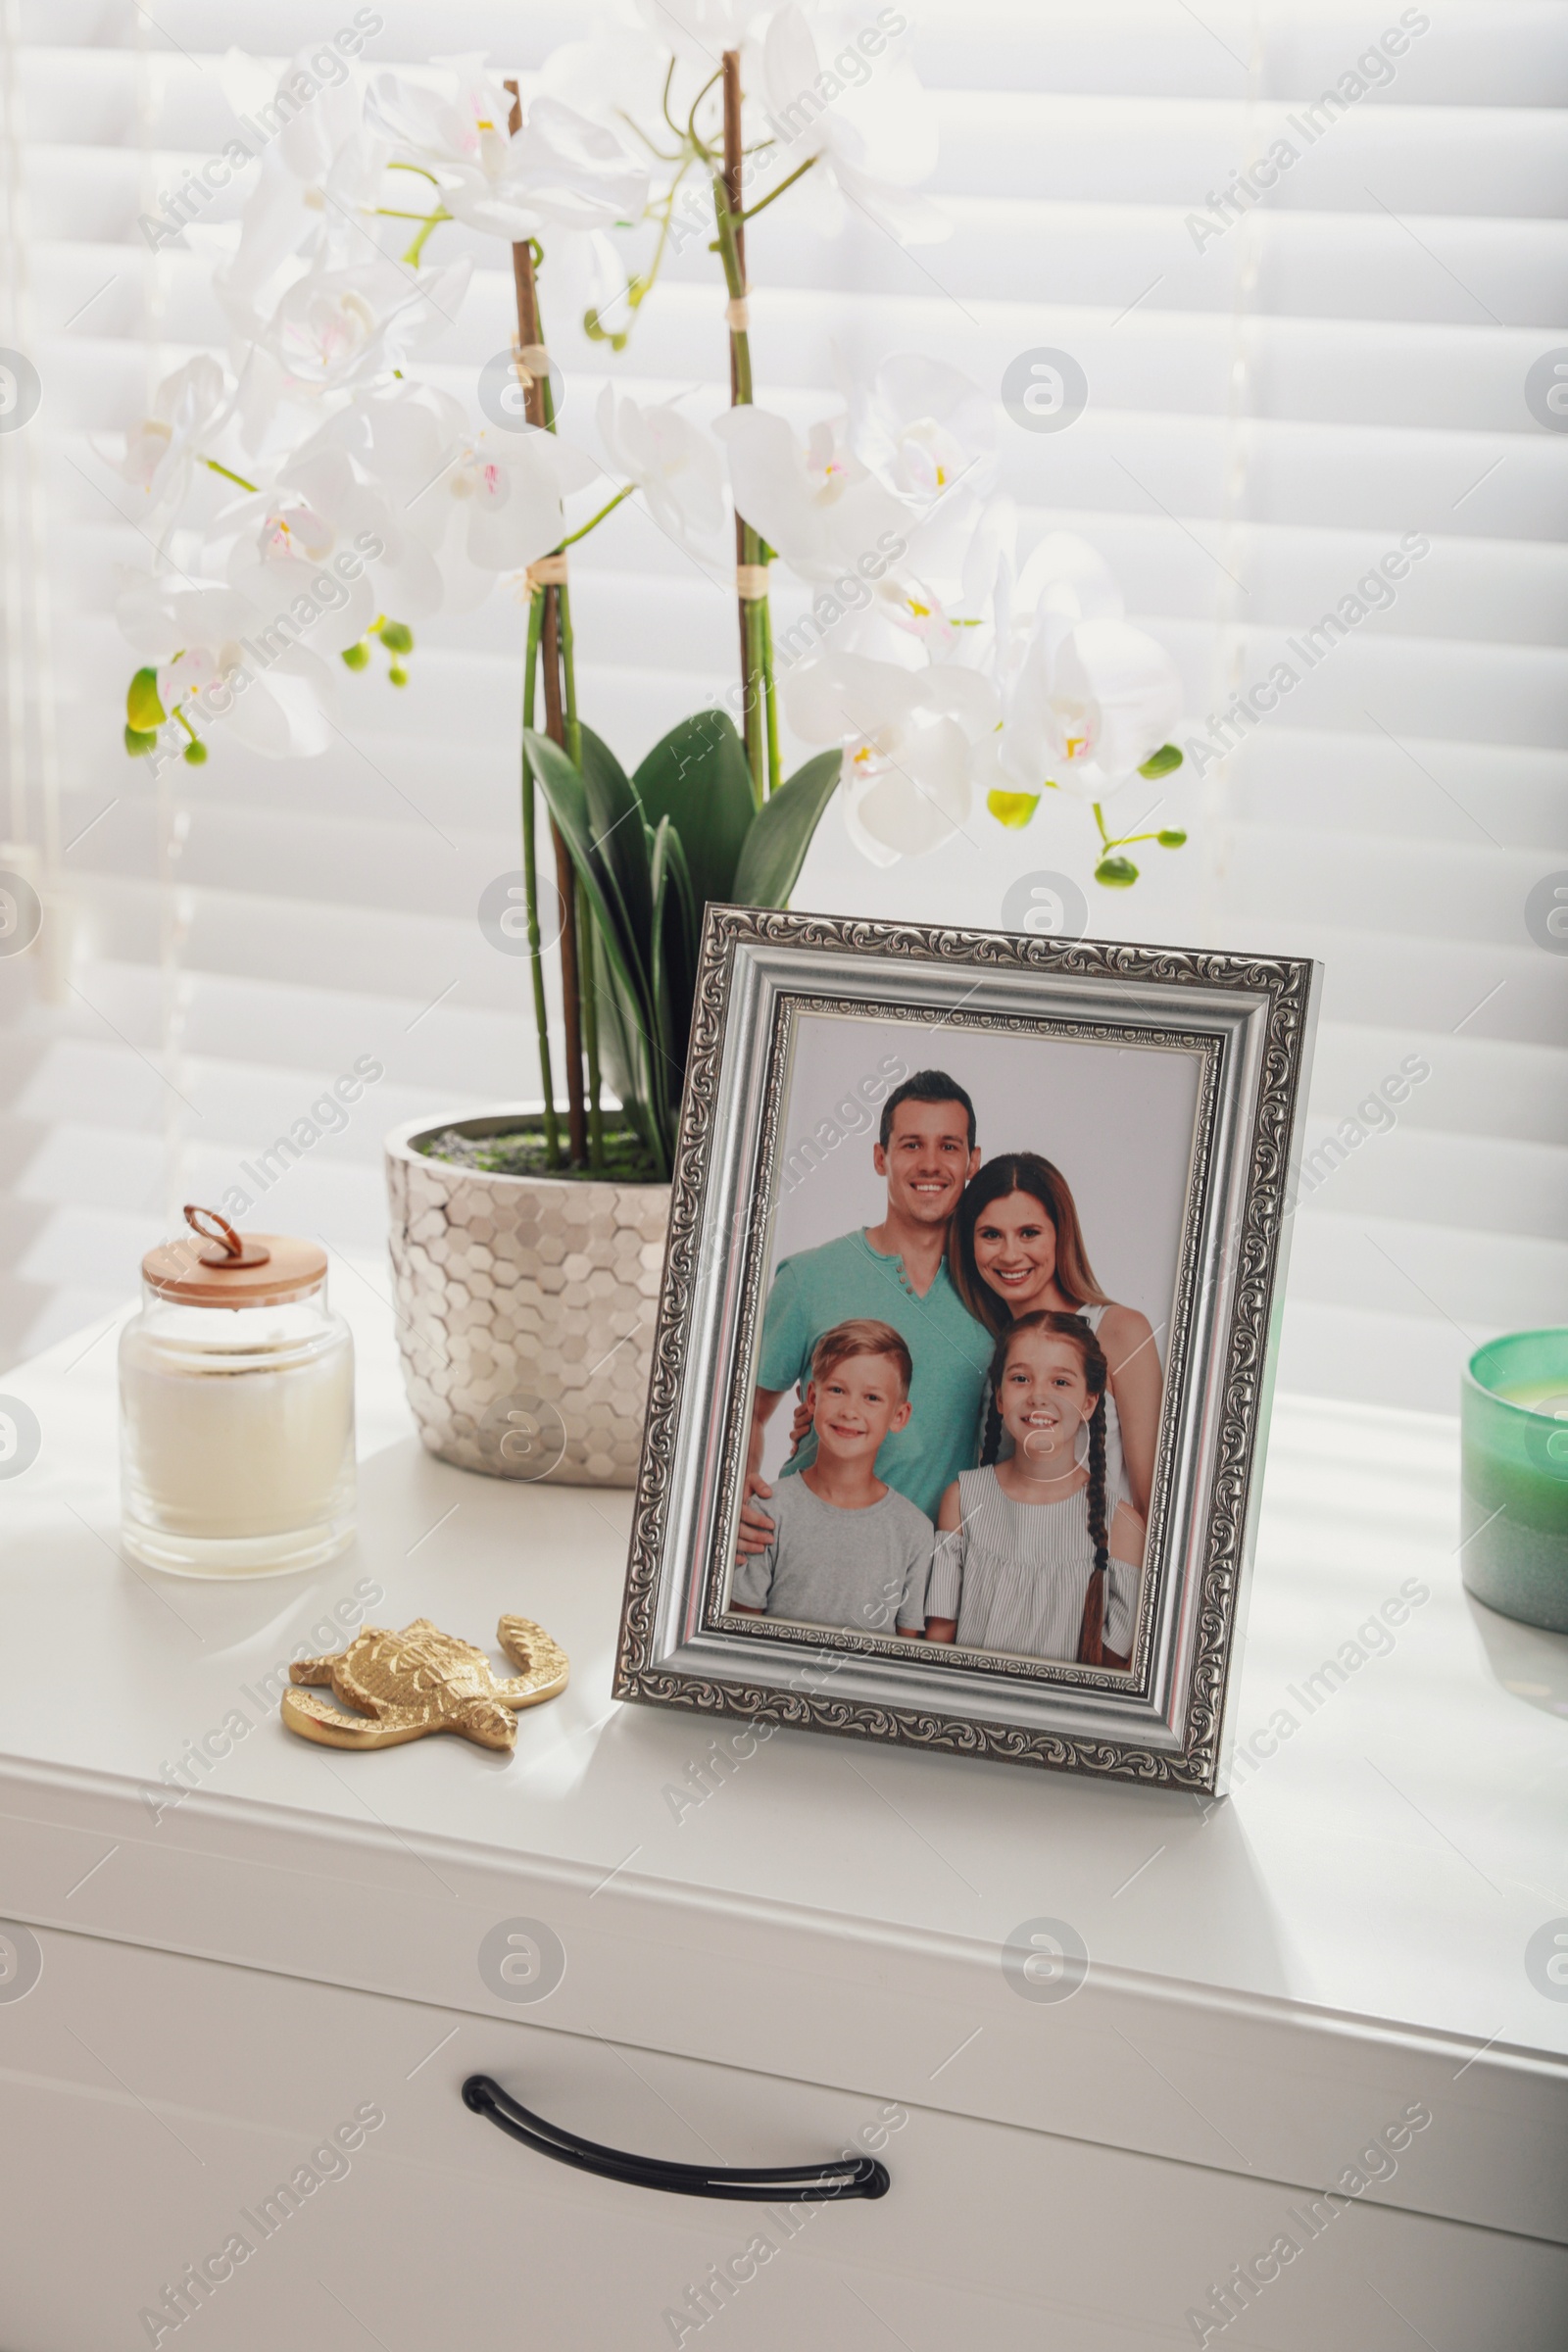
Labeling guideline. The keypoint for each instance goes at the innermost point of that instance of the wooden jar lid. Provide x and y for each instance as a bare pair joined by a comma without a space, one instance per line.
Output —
183,1271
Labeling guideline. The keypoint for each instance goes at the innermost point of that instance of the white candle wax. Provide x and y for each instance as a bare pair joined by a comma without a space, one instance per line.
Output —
237,1437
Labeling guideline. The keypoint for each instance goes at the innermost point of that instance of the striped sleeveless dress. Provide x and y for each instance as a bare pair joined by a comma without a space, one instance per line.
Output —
1116,1488
1016,1574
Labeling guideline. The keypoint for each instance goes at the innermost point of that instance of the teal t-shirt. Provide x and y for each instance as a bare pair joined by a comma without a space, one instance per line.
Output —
950,1350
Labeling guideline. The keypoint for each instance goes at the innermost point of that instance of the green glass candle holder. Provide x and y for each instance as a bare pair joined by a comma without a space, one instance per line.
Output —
1513,1512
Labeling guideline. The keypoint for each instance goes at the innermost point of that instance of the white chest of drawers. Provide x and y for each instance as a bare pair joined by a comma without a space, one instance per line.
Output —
232,2096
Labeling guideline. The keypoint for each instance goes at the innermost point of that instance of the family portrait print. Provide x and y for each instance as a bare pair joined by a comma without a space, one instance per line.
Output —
966,1310
966,1340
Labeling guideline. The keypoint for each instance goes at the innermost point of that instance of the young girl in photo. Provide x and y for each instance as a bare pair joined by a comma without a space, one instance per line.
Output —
1024,1561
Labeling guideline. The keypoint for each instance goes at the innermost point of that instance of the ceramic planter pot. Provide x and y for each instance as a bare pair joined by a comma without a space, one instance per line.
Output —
525,1310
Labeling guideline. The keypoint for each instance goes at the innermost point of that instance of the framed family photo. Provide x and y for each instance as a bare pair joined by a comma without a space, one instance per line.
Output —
963,1370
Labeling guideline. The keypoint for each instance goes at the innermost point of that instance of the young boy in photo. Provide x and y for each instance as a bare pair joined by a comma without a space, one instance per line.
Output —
1026,1560
848,1549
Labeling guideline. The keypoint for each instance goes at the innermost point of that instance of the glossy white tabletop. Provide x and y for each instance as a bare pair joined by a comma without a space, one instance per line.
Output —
1391,1844
1272,1976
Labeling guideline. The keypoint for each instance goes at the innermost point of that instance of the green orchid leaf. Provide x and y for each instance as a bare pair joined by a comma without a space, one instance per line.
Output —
1116,873
698,777
1162,762
781,833
143,706
620,837
1014,808
598,756
1171,838
566,798
674,967
624,1058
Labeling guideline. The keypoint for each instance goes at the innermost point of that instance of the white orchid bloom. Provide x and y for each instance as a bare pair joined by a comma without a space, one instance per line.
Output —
497,504
911,605
814,503
936,586
163,449
923,428
648,63
941,585
224,662
401,435
559,170
311,111
619,76
418,443
325,546
514,485
674,463
336,328
318,171
863,119
288,221
907,736
415,443
703,29
1087,698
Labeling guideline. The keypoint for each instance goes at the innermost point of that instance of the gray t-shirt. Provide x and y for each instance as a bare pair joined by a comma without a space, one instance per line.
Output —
863,1570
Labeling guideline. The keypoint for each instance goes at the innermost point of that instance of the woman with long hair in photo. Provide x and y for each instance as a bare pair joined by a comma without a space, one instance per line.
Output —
1017,1248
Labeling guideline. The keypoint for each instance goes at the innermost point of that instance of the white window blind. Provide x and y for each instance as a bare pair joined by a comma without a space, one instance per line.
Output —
1287,385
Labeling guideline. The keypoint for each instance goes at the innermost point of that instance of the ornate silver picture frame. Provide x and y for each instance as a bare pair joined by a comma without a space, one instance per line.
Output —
1183,1072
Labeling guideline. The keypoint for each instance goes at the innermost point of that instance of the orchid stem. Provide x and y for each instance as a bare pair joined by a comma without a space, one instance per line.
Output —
228,475
669,83
691,120
770,690
590,1030
411,259
752,211
530,891
595,521
559,683
587,992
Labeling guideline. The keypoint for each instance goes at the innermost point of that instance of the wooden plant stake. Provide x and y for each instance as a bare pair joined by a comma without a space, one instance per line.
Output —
535,379
759,725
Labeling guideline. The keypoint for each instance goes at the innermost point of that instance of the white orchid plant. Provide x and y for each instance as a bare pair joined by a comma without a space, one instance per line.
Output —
317,497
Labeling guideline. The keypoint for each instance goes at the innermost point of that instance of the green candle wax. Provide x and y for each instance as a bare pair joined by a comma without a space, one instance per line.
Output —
1515,1494
1547,1397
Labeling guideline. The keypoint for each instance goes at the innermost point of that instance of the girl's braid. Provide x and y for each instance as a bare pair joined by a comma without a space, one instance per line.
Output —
1091,1639
1095,1497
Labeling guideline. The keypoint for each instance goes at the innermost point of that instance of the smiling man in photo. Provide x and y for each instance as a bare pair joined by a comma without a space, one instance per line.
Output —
893,1272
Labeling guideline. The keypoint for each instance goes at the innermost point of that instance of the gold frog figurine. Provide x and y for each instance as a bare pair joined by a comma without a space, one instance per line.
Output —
422,1679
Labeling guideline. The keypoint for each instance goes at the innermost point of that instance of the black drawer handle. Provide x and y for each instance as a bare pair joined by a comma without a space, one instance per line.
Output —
792,2184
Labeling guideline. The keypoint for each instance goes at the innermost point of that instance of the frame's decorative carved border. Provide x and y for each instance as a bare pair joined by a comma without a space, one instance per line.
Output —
1285,985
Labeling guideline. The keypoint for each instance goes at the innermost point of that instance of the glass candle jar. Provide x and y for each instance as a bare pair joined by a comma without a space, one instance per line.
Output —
237,1411
1514,1477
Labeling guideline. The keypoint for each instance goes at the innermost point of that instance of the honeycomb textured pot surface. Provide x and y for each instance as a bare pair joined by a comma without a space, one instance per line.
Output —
525,1317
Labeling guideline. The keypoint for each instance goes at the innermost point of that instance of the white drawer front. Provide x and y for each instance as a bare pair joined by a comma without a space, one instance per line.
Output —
181,2119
